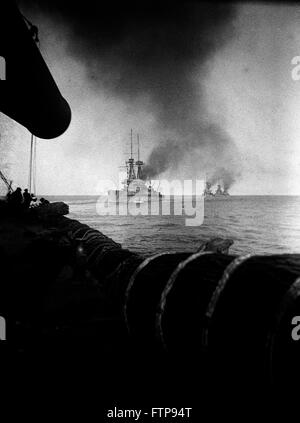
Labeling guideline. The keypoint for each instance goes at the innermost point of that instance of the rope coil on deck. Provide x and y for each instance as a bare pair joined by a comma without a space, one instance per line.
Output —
132,280
230,269
143,293
168,287
232,311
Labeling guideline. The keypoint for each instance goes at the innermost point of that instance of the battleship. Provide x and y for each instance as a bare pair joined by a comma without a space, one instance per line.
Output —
134,187
219,194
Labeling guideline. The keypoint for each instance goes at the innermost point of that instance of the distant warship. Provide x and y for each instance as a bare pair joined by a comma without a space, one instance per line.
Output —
135,187
219,194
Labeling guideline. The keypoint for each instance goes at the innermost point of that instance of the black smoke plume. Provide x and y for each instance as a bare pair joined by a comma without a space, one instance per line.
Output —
223,176
153,55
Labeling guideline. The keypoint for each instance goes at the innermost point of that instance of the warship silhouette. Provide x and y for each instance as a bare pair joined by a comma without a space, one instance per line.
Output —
219,194
135,186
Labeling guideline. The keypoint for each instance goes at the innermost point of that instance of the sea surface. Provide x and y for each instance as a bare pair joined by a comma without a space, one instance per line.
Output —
257,224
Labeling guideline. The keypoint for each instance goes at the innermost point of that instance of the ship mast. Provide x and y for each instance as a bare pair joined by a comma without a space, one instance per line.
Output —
139,163
130,163
131,144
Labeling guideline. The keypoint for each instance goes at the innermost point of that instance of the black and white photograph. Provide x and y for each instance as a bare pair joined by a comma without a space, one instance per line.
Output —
150,206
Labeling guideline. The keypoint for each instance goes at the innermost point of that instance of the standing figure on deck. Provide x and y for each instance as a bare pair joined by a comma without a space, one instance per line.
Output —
16,199
26,199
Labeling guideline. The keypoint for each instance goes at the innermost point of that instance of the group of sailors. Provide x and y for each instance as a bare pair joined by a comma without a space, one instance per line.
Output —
19,200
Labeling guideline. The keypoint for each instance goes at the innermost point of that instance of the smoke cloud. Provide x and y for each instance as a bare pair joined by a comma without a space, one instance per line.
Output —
155,56
221,175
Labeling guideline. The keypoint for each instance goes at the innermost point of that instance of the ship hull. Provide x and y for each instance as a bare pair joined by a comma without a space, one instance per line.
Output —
124,197
216,197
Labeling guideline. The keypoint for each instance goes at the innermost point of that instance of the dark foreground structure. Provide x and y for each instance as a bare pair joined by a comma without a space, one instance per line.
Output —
69,294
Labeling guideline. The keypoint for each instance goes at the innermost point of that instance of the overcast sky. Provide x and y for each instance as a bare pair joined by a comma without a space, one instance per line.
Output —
247,88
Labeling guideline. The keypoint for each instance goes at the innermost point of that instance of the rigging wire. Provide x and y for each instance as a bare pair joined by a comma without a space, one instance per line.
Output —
33,29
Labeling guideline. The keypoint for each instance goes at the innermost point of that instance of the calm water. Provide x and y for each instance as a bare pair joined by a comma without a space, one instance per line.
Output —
257,224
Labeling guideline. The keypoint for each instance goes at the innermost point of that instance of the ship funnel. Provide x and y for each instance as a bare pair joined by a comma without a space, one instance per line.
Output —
29,94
